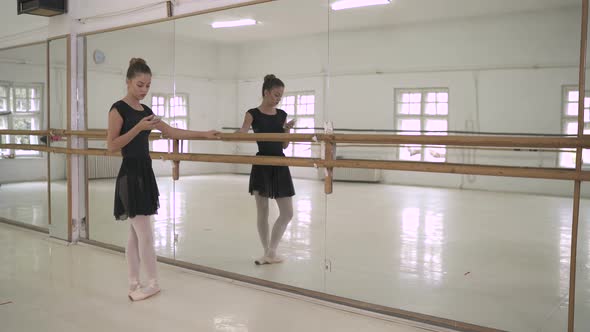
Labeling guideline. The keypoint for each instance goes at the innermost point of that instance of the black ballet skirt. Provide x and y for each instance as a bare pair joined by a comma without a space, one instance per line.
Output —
270,181
136,190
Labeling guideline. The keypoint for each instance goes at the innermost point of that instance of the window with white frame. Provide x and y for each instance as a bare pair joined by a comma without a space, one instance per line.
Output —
173,109
301,107
422,111
20,109
569,117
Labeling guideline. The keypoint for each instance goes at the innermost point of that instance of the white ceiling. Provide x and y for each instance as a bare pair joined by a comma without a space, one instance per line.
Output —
303,17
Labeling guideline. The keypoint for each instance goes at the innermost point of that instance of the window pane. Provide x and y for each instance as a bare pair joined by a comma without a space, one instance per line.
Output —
177,110
587,102
415,109
442,97
179,123
34,93
184,145
404,108
35,125
572,128
290,109
35,105
430,109
22,123
573,96
305,123
436,125
442,109
302,150
301,109
20,93
437,154
567,159
431,97
3,91
4,138
405,98
415,97
572,109
3,105
21,105
22,139
410,124
289,100
26,153
306,109
410,152
160,145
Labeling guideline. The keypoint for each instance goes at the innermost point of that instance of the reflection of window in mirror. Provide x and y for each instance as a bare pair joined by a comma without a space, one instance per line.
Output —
173,109
301,107
569,117
4,113
20,109
422,111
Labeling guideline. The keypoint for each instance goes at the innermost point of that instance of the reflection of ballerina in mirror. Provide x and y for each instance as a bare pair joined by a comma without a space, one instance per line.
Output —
268,181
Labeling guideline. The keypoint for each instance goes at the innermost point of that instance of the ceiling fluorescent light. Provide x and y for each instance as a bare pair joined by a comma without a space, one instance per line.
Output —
230,24
346,4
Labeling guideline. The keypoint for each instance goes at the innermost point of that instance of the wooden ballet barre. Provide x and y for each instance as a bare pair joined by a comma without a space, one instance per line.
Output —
31,147
511,141
455,147
102,134
25,132
488,170
443,140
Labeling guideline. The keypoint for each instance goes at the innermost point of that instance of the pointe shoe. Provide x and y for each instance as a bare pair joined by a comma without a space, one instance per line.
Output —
268,260
134,287
274,259
261,261
144,292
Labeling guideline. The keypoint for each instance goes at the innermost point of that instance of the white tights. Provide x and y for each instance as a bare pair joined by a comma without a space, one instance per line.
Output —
140,248
285,205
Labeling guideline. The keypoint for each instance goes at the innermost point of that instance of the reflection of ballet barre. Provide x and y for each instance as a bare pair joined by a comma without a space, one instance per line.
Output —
506,171
393,131
329,161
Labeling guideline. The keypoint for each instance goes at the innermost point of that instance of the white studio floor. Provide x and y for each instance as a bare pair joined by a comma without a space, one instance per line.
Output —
499,260
49,286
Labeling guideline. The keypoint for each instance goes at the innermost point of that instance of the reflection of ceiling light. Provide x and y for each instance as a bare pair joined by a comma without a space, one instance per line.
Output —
346,4
230,24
